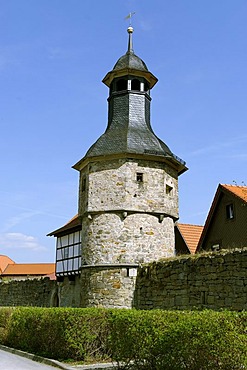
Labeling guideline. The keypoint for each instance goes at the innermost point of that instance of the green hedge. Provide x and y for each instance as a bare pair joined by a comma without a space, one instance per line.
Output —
59,333
176,340
151,340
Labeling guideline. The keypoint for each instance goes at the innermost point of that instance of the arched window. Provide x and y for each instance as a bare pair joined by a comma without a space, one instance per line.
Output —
135,85
121,85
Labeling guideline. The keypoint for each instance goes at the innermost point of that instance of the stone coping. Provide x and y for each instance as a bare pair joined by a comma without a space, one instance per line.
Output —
112,265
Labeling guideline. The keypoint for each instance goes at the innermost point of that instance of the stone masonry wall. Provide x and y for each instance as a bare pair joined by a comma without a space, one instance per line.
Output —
36,292
136,239
210,280
125,220
112,185
100,286
108,287
214,281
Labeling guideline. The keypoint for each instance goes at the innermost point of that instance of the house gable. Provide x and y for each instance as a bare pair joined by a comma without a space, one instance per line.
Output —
225,227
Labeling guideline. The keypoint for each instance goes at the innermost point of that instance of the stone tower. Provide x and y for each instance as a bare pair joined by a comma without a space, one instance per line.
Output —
128,193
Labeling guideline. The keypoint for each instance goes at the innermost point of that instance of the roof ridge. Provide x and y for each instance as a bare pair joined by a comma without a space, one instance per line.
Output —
234,186
33,263
182,223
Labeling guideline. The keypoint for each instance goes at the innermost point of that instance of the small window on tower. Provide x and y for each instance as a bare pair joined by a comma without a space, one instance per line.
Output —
169,189
121,85
135,85
229,211
139,177
83,184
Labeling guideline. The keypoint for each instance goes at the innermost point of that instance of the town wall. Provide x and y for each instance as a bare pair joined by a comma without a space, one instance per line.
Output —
214,281
36,292
210,280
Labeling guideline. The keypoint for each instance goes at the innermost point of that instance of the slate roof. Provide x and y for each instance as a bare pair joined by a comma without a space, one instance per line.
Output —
131,61
191,235
129,132
129,139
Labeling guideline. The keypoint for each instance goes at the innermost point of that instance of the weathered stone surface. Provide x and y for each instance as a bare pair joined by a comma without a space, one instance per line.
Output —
125,220
198,282
178,283
35,292
136,239
107,287
112,186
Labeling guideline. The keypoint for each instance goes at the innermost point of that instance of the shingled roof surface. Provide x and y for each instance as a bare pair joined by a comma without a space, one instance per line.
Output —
132,61
191,235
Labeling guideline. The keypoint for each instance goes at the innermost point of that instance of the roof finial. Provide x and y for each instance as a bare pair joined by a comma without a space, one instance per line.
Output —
129,16
130,30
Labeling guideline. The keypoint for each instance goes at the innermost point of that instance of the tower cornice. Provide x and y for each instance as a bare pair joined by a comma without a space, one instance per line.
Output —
171,160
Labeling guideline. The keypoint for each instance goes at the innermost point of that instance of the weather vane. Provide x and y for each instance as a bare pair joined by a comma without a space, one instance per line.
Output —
129,16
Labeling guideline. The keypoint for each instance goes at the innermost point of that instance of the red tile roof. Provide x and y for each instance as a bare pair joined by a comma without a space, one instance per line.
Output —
35,269
191,235
4,262
239,191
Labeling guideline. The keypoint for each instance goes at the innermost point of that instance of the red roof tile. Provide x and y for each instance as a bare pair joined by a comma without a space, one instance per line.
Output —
4,262
239,191
39,269
191,235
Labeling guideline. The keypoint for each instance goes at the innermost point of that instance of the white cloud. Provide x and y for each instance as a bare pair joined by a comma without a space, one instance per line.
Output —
13,241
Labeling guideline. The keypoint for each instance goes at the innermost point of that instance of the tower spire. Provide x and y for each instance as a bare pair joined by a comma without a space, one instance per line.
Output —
130,31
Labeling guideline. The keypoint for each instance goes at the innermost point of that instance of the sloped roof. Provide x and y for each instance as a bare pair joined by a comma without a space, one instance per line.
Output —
21,269
191,235
74,223
239,192
132,61
4,262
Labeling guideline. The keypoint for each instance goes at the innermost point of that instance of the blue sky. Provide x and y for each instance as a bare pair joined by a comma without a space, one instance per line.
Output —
53,106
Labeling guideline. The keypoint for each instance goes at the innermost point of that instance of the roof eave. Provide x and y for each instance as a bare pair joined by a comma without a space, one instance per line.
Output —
179,165
107,80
